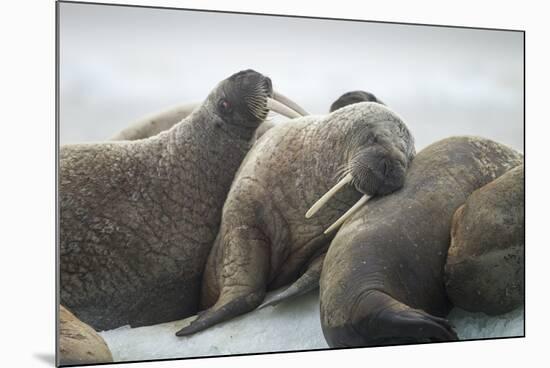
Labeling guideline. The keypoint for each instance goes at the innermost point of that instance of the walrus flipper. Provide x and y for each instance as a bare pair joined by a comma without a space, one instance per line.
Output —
396,322
307,282
245,271
382,320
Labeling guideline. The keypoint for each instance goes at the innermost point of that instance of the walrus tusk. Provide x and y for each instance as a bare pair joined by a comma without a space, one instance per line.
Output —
288,102
284,110
328,195
350,212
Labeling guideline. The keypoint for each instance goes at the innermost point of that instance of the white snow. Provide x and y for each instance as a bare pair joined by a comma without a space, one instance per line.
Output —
291,325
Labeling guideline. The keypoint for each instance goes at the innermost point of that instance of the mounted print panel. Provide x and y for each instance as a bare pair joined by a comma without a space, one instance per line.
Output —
234,183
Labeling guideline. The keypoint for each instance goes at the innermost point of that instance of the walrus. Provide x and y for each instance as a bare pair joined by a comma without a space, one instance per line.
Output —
309,280
382,277
79,343
353,97
264,240
138,218
485,269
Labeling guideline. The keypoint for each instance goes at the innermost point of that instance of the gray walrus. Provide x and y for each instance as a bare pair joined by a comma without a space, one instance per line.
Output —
382,278
138,218
264,240
79,343
485,270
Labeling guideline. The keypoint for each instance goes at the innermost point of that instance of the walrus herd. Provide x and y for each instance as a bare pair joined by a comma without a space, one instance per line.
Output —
202,209
264,239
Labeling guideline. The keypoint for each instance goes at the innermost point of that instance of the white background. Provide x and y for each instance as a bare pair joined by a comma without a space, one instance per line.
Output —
27,152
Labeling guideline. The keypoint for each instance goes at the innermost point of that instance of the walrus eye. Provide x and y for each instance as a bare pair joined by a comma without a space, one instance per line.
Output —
224,106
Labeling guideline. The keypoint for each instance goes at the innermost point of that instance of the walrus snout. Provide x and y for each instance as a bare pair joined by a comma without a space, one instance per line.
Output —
375,170
252,83
378,171
258,97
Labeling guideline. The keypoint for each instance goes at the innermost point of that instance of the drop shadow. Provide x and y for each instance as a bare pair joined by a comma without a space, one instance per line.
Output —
46,358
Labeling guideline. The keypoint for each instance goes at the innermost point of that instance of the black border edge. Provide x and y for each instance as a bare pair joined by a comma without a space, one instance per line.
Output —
524,191
57,358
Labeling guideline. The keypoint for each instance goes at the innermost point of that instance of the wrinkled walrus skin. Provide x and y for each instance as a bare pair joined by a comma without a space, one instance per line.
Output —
382,278
485,270
265,241
138,218
79,343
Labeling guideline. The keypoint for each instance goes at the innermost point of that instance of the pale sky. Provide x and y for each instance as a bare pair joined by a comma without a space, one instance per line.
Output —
118,64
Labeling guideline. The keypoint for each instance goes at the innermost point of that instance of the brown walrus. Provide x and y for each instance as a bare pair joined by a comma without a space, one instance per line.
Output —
78,343
264,240
138,218
485,265
382,278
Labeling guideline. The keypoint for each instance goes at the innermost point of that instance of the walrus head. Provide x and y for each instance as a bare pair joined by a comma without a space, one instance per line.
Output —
245,99
378,157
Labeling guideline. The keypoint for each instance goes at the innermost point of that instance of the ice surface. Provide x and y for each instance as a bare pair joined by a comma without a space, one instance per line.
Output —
480,325
291,325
